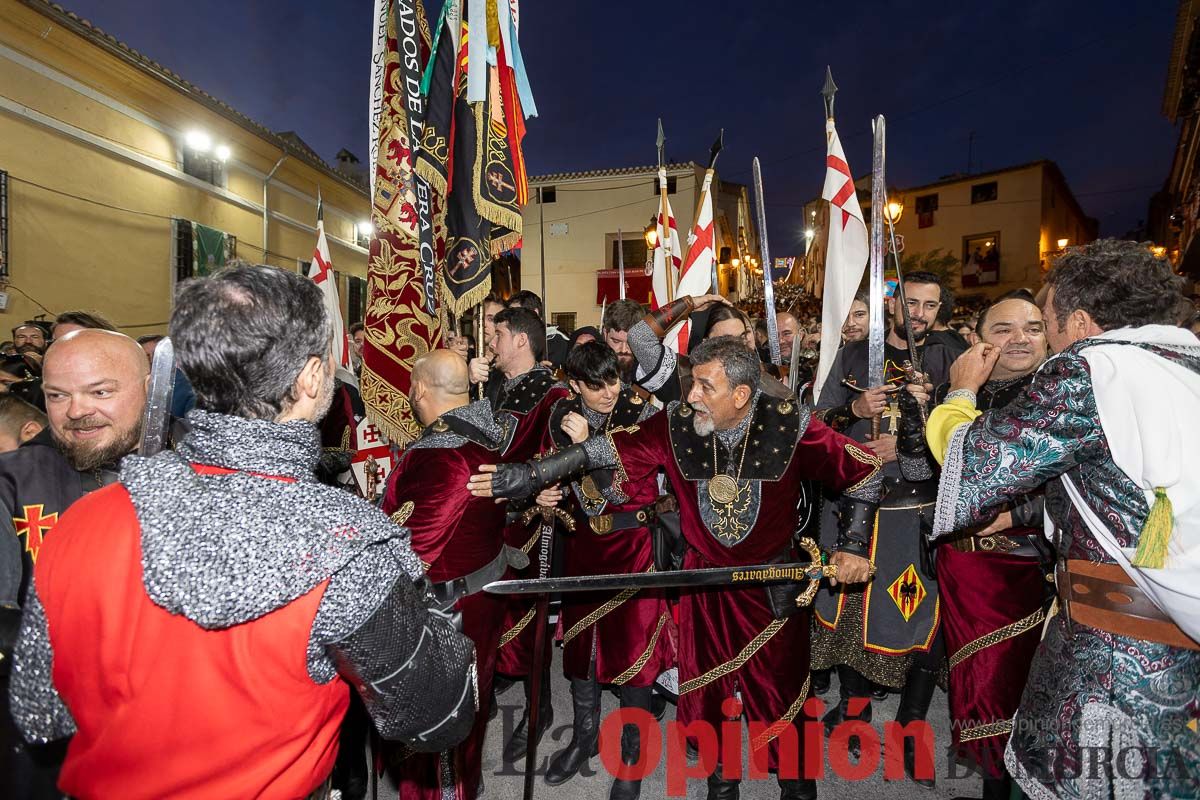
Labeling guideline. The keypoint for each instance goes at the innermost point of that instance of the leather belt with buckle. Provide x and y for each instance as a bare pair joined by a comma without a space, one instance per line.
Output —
1103,596
621,520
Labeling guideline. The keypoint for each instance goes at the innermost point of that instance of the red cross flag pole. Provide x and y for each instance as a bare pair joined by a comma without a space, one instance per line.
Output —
846,250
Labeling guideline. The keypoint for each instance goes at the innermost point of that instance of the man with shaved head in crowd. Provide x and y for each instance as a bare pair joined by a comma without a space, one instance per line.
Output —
459,539
95,387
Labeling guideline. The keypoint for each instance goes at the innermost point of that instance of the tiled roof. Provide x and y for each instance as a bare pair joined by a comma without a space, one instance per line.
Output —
78,25
615,172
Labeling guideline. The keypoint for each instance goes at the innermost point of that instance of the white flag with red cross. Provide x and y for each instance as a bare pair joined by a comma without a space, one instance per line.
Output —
846,252
695,278
321,273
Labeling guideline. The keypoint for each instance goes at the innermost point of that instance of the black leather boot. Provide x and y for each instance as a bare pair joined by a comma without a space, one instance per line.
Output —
631,741
851,685
914,705
798,789
514,751
658,706
721,789
585,733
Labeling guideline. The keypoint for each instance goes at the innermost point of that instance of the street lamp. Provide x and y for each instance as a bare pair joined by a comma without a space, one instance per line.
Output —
808,237
894,210
1062,243
651,234
199,141
223,152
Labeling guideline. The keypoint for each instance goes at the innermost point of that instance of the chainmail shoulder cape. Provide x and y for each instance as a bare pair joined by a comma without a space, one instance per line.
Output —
229,548
475,422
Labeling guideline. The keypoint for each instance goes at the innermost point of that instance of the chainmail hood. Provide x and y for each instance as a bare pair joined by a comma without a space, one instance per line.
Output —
225,549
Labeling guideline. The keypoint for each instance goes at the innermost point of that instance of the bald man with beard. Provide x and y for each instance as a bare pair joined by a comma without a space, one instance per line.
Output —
459,539
95,387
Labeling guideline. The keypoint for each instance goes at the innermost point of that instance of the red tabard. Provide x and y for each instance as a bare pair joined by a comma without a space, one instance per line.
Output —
454,534
729,641
516,648
163,707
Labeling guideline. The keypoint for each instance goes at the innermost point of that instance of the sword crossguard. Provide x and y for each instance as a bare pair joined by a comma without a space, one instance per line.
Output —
549,514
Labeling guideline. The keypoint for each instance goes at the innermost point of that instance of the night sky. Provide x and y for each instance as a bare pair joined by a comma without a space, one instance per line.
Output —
1080,83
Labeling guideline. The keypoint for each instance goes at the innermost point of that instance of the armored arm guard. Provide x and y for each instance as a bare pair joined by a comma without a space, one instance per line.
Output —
518,481
414,671
912,453
856,523
660,320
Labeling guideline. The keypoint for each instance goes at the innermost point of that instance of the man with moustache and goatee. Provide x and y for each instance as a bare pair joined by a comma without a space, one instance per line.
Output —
95,387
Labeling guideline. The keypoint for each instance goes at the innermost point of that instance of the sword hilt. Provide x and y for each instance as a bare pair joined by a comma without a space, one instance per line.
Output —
549,514
821,570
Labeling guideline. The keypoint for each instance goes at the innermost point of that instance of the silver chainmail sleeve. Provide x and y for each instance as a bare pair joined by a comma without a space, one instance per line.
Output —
352,596
656,363
600,452
37,708
914,468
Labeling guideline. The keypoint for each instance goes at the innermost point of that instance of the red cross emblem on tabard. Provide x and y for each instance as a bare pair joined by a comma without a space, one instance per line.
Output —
35,525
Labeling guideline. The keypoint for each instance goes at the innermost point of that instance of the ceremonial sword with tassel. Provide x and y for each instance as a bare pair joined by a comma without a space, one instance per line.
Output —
749,575
765,254
156,420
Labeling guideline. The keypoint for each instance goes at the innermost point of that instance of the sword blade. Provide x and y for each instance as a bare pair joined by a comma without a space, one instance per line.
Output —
876,333
751,575
620,268
156,419
765,255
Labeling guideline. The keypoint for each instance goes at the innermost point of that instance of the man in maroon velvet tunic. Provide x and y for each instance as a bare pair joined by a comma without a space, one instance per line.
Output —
621,639
526,398
736,458
458,539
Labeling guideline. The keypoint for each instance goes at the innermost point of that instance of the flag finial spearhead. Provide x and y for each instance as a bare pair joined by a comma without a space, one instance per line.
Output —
715,150
661,141
320,207
828,91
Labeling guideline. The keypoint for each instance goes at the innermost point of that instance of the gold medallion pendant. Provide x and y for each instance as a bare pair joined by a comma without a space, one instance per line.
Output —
589,488
723,490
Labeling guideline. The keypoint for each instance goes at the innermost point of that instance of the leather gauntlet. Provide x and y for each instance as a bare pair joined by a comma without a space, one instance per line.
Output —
856,524
661,320
518,481
910,439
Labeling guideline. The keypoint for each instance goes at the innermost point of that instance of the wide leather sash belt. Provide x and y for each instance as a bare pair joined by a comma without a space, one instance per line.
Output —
449,592
1103,596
